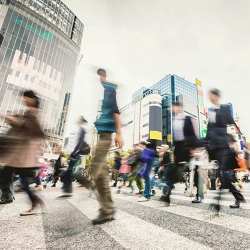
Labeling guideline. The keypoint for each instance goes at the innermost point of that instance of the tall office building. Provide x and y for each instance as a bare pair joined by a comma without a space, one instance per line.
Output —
39,49
142,118
171,88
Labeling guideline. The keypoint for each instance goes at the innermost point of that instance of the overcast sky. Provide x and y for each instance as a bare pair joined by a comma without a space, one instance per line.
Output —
141,41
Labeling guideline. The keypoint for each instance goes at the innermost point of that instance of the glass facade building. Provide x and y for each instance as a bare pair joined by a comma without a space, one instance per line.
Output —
39,49
175,88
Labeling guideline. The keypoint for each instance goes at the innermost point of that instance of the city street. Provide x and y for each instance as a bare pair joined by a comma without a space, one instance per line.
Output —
66,224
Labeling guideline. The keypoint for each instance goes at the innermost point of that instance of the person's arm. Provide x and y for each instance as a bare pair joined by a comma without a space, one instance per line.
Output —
195,127
118,123
13,120
118,126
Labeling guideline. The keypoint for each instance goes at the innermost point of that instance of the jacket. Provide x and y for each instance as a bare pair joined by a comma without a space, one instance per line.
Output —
26,148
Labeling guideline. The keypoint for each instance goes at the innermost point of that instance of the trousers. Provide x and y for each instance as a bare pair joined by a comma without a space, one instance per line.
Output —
134,177
227,179
6,180
67,176
100,174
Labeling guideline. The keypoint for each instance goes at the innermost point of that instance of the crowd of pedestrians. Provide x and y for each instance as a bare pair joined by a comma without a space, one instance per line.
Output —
200,164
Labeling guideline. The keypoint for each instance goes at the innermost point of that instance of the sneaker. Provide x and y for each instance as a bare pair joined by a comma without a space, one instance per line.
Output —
101,219
65,195
236,205
144,199
197,201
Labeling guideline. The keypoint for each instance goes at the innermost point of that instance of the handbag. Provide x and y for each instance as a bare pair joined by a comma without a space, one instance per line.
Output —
84,149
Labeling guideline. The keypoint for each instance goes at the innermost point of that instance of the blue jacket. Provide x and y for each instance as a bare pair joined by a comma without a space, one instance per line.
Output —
147,159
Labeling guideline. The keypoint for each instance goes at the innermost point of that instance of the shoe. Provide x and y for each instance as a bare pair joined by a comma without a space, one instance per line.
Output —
3,202
101,219
139,193
28,213
197,201
236,205
144,199
164,198
65,195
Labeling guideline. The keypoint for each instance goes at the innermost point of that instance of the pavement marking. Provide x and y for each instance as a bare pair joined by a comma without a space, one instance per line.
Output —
133,232
225,195
210,201
68,228
232,222
16,231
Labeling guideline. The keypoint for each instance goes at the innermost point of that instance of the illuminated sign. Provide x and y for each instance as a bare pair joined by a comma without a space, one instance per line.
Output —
35,29
47,81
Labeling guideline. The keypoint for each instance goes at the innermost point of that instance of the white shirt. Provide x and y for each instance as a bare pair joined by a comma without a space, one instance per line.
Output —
212,114
178,127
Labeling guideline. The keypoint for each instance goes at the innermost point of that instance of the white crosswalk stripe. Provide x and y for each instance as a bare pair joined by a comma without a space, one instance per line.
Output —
210,197
67,225
232,222
134,233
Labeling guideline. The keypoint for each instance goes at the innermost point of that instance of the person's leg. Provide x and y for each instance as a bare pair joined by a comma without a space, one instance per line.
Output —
196,184
67,177
147,188
235,192
139,184
6,179
100,175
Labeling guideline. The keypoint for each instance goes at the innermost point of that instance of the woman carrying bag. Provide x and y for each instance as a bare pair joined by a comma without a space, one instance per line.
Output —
21,156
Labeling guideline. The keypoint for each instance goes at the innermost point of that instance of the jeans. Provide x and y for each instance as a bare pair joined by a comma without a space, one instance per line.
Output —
147,189
67,177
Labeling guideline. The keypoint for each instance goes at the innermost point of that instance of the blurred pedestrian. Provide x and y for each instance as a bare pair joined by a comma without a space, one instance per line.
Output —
22,156
107,123
134,161
147,160
220,146
81,148
116,168
184,135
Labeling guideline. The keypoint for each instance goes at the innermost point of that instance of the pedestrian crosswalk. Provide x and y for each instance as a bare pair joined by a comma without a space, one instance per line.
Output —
149,225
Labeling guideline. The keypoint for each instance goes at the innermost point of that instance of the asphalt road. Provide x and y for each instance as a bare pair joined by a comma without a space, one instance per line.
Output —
150,225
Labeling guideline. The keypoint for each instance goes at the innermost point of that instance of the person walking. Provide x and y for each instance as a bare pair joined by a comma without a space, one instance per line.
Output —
24,150
107,123
184,135
81,148
220,146
147,160
134,162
